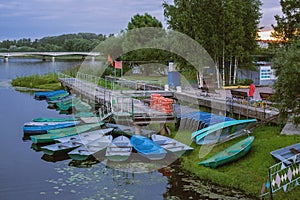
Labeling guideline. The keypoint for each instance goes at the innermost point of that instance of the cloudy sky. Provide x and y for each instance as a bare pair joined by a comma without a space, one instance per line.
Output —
39,18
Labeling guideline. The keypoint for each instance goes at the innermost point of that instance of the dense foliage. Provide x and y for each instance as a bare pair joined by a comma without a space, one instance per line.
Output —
129,45
287,86
286,60
227,29
66,42
288,24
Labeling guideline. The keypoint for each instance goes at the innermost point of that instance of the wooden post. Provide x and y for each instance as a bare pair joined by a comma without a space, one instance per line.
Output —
138,130
162,129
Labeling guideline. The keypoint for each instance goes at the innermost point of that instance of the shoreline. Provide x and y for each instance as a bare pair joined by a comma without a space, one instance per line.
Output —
250,172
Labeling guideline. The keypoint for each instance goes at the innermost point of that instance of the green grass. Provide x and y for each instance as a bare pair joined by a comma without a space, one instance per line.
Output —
48,81
250,172
159,79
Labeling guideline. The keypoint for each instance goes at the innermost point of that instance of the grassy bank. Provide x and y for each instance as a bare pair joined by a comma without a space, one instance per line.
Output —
249,173
45,82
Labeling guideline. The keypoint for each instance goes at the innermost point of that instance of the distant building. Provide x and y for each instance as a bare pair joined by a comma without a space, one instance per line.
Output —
264,76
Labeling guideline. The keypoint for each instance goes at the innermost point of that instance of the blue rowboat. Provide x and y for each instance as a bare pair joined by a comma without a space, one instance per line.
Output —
147,147
230,154
37,128
222,129
44,95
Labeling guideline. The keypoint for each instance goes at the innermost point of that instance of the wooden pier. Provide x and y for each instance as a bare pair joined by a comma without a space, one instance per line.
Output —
124,105
131,105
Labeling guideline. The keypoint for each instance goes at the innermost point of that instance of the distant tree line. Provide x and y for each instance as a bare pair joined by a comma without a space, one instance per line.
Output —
66,42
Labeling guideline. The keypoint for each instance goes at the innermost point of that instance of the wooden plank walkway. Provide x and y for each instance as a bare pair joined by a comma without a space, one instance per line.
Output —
124,103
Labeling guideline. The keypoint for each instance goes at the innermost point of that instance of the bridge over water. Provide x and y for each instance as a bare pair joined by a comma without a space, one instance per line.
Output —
52,55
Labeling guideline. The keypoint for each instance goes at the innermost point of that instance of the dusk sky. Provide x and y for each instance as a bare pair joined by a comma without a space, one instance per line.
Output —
39,18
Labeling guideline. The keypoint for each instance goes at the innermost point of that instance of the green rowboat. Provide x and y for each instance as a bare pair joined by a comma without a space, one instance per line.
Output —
230,154
63,132
42,119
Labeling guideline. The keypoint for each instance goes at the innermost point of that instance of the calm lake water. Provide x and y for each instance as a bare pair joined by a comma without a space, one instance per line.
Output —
28,174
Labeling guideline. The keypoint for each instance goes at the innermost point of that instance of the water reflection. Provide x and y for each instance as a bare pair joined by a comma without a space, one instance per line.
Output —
58,177
56,158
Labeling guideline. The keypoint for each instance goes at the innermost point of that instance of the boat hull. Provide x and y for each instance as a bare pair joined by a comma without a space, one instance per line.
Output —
230,154
148,148
172,145
119,150
93,148
44,95
225,131
59,133
67,119
36,130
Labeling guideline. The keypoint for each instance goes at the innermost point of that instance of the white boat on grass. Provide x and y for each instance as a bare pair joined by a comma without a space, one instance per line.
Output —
171,145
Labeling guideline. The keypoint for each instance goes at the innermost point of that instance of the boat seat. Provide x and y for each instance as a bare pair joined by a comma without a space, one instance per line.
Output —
294,151
83,150
169,143
75,143
174,147
62,146
160,141
146,147
119,144
119,147
233,151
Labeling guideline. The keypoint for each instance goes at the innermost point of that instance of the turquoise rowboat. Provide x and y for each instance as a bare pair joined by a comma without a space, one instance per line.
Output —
58,96
64,132
42,119
222,125
230,154
228,132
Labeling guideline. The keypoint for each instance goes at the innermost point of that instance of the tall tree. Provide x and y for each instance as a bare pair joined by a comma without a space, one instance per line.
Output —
136,37
288,24
286,60
287,85
140,21
225,28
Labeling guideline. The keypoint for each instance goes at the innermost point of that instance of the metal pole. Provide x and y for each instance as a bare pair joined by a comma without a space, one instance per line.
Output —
270,179
115,73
